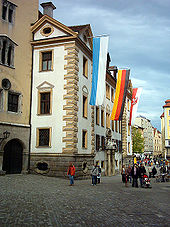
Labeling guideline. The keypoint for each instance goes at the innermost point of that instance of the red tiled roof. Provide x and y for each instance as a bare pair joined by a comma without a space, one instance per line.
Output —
162,115
78,28
167,101
166,105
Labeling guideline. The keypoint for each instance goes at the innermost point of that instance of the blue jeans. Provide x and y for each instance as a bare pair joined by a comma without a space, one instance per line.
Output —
94,180
71,179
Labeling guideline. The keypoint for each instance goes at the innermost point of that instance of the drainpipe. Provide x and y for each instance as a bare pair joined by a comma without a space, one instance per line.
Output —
29,151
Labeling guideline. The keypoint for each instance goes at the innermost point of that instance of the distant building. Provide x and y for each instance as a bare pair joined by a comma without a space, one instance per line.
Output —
148,134
165,128
157,143
15,86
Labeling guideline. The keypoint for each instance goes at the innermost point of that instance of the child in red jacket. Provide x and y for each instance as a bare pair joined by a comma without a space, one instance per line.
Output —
71,173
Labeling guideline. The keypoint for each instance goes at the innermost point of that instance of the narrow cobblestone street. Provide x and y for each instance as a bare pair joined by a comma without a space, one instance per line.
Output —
35,200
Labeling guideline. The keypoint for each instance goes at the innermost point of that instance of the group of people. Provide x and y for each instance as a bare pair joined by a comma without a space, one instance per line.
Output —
95,173
131,174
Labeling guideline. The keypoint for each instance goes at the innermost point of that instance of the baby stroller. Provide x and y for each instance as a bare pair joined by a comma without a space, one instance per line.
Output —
146,182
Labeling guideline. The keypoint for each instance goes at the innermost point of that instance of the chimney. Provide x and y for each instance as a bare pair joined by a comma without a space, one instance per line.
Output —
48,8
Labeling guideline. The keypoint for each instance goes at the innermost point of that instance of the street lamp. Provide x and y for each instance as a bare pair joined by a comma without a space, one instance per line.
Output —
5,136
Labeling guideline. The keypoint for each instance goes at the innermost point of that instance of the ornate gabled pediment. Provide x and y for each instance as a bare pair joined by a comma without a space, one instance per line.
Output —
48,27
45,86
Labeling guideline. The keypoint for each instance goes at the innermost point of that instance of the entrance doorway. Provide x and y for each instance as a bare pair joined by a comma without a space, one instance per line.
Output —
12,158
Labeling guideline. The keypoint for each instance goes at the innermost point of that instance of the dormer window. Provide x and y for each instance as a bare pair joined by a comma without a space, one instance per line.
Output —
8,10
7,51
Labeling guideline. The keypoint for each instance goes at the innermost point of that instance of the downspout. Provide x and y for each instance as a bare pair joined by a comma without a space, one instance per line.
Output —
29,152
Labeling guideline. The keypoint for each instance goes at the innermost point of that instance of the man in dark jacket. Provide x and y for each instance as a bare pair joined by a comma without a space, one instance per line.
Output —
142,171
135,175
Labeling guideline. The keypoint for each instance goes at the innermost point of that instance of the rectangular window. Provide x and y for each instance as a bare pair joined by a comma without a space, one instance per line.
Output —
46,61
119,126
84,106
169,122
116,128
10,15
116,163
3,52
84,139
13,102
129,147
97,115
45,102
85,67
107,91
102,164
113,128
1,99
128,130
128,104
44,137
169,112
112,94
102,118
169,143
4,11
103,142
107,120
97,142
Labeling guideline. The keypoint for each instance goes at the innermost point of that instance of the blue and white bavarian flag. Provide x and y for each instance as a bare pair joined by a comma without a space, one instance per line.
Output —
100,48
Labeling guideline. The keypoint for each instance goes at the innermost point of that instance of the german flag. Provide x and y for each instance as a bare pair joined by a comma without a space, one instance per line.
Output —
120,95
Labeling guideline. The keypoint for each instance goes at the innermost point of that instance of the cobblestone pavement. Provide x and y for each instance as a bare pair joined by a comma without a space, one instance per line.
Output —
35,200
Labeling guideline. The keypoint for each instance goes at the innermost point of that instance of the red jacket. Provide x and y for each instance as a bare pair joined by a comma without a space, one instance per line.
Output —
71,171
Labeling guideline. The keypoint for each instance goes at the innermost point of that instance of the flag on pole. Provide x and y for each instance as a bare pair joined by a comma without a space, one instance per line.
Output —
120,95
100,47
134,104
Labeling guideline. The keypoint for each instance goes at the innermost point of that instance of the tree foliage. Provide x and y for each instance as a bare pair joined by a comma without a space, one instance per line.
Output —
137,140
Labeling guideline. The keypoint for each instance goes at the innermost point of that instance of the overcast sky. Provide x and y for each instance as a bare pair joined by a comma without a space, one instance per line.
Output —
139,33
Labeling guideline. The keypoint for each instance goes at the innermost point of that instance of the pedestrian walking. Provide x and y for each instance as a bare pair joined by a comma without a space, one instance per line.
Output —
129,174
142,171
124,175
154,172
135,175
94,174
99,175
71,173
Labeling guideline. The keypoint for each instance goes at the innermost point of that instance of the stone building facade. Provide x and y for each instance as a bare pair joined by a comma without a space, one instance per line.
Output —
165,128
148,134
15,82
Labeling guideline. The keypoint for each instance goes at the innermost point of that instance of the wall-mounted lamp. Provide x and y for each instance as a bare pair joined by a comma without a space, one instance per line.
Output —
5,136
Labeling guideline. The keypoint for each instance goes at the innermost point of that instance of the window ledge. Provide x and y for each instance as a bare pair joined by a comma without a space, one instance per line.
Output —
12,67
40,71
49,114
43,146
11,112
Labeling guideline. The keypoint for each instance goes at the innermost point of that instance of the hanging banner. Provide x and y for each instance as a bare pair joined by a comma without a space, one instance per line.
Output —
134,104
100,48
120,95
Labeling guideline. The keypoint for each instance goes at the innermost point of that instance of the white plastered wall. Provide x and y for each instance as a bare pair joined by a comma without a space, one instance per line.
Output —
55,120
